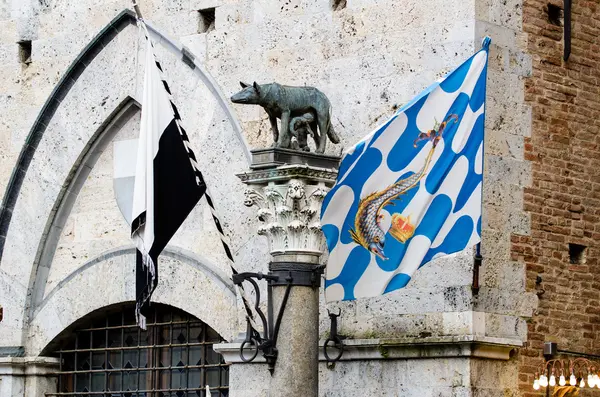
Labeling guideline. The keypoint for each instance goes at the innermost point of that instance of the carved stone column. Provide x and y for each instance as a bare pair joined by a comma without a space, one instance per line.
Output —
288,188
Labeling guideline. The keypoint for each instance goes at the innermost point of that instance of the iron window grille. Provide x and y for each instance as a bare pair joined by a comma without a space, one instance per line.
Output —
110,356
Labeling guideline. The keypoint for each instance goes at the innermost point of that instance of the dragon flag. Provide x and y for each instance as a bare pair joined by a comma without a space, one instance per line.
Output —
410,191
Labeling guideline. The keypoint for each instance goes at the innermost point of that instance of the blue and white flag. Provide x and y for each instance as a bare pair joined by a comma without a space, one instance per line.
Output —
410,191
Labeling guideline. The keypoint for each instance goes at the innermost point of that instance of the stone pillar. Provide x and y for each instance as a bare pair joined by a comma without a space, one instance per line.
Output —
288,188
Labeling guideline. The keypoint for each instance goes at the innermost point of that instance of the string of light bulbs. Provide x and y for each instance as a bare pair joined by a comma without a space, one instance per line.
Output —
579,370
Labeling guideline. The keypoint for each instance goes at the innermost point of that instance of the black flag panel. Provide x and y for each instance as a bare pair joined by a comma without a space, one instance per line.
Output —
168,183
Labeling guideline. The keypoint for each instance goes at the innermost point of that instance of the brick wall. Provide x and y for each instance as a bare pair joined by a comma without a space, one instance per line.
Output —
564,197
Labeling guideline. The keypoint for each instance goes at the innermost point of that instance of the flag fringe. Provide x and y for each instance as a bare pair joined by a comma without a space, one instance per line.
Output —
140,319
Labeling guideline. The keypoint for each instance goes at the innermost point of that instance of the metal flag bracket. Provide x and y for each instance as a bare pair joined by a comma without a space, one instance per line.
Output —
335,339
286,274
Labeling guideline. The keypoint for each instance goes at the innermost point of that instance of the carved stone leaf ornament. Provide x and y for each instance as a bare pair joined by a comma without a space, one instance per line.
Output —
289,215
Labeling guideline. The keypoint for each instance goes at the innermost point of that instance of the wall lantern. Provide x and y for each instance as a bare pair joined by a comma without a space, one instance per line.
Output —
576,372
579,371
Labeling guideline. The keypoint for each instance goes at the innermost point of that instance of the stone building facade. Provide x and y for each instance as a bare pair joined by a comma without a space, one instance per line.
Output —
70,88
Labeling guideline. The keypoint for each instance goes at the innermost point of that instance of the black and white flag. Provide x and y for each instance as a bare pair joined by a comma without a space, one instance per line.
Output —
168,183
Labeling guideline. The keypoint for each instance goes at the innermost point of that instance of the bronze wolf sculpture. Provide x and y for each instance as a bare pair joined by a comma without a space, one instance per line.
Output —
287,103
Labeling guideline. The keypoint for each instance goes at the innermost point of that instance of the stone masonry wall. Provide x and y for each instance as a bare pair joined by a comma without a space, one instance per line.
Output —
564,195
369,57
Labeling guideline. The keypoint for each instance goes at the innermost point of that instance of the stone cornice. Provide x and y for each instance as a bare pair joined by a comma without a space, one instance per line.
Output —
384,349
288,172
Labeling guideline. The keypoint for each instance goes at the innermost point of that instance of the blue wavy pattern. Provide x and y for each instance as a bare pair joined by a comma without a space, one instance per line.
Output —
439,207
359,259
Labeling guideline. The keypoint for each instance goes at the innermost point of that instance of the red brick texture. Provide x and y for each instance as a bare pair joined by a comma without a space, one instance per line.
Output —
564,197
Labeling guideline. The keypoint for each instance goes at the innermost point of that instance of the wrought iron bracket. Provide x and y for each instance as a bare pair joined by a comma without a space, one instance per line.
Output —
286,274
334,339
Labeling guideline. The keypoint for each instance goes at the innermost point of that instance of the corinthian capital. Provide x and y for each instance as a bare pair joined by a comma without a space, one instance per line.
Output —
288,188
289,214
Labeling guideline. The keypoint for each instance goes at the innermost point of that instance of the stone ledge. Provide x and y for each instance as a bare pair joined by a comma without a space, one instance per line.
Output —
287,172
28,366
422,348
276,157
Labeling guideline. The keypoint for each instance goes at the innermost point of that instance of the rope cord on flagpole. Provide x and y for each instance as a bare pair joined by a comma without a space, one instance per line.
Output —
198,174
224,241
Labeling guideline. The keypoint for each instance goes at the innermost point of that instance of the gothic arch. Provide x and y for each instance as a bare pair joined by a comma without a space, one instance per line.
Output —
105,36
111,355
191,281
48,173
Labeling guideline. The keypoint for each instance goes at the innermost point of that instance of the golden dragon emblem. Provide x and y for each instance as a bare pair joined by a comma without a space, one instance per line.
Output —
367,229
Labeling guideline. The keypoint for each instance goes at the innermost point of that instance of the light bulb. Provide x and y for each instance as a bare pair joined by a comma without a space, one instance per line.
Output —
543,381
591,381
597,380
573,380
536,385
562,381
582,383
552,381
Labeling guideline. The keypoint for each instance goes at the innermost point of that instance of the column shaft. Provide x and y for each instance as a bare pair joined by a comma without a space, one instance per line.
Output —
296,372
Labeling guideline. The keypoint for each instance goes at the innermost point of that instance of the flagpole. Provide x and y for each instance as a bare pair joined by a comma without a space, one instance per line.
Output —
136,8
478,258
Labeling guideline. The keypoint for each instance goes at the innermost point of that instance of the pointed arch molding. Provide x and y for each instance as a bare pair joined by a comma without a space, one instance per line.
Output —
106,35
49,174
91,287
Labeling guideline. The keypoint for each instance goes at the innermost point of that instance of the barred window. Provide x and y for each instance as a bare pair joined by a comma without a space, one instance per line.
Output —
107,355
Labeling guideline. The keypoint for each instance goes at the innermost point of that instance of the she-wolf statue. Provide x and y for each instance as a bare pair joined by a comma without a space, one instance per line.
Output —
301,110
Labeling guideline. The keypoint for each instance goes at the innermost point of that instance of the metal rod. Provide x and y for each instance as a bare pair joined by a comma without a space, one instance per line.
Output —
75,360
136,8
596,356
106,355
567,30
170,352
203,358
477,260
134,347
139,360
154,355
60,367
270,308
122,350
129,391
171,367
135,326
187,358
548,376
281,309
